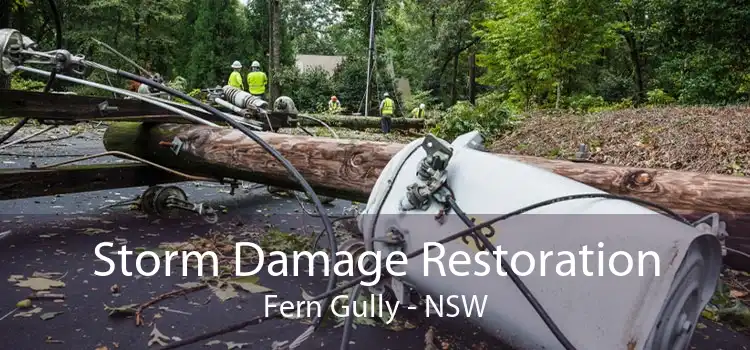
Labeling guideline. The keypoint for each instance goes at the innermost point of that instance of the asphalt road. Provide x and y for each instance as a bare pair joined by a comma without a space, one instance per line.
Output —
47,235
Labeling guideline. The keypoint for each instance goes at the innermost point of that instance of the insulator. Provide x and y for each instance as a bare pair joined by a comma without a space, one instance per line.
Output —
243,99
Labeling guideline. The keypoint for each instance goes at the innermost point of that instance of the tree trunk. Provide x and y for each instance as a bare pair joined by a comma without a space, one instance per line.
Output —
275,48
454,88
472,77
4,23
362,123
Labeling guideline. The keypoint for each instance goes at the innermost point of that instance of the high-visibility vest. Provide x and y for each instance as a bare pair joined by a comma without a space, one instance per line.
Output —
417,112
256,82
387,108
235,80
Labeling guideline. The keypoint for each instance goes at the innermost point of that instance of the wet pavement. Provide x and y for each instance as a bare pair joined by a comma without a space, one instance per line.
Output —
60,233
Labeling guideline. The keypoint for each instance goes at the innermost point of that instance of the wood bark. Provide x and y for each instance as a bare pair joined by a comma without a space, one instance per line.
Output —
348,169
362,123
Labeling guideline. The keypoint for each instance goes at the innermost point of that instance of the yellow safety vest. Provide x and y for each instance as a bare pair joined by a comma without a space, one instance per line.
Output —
256,82
417,113
387,107
235,80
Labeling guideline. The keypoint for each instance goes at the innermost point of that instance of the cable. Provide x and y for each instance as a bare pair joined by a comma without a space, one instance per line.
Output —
48,86
513,277
468,231
21,140
58,24
130,156
135,95
14,129
738,252
272,151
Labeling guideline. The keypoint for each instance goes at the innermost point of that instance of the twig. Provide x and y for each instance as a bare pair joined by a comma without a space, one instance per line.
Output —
139,310
38,296
8,314
235,327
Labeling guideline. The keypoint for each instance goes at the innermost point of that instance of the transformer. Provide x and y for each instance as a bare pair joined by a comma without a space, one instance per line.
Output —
593,312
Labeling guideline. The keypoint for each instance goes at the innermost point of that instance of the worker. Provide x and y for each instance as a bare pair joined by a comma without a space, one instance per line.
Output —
418,112
334,105
386,112
256,80
235,79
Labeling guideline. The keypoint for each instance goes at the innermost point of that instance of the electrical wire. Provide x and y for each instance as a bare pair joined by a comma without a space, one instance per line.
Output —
129,156
21,140
135,95
513,277
48,86
273,152
465,232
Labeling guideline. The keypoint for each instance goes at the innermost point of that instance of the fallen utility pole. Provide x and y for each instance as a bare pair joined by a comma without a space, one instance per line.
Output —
348,169
362,123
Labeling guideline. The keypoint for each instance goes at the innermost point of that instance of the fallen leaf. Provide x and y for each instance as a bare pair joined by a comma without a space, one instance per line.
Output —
212,343
737,293
103,347
189,285
24,304
249,284
232,345
224,292
114,289
37,283
49,340
49,315
700,326
15,278
28,313
50,275
157,337
121,310
305,295
91,231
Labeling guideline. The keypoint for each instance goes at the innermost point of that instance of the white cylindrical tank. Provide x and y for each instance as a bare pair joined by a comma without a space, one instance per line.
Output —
593,312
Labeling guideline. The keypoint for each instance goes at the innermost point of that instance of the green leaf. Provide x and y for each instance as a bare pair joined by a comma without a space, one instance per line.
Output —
249,284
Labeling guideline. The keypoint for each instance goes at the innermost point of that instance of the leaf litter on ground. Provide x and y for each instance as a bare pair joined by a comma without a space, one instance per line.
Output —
157,337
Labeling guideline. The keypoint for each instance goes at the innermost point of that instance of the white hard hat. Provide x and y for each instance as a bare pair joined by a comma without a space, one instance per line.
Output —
255,64
385,94
421,106
236,64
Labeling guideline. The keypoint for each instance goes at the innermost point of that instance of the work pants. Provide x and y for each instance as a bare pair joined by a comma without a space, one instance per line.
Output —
385,124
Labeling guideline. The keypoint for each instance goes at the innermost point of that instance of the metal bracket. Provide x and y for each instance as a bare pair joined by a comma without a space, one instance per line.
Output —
104,107
176,145
712,224
431,175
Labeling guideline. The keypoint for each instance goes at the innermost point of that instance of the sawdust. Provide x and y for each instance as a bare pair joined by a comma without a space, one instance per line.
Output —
702,139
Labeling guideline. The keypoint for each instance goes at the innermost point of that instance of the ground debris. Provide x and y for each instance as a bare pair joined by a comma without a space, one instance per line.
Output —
646,137
156,337
39,283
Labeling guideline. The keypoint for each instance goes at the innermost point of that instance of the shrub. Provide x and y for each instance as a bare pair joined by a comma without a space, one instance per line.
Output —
490,116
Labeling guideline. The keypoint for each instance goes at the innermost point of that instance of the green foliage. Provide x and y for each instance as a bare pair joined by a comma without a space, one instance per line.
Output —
586,103
658,97
310,89
19,83
490,116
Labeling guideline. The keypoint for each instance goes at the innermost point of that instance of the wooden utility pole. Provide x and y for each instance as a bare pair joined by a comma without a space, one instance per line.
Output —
348,169
274,62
